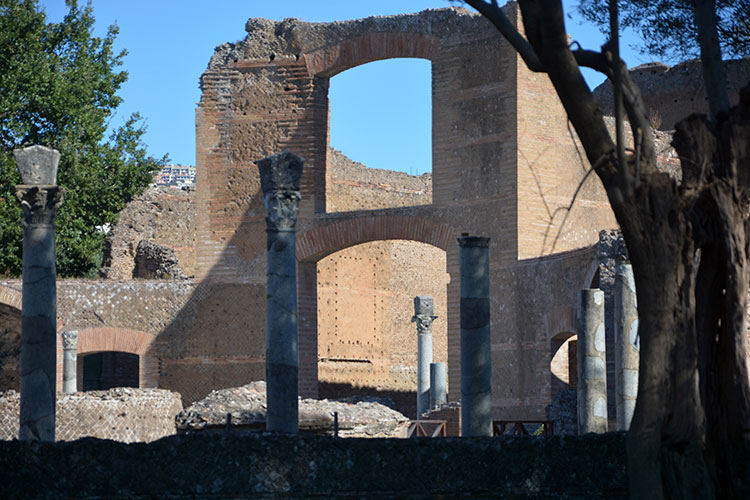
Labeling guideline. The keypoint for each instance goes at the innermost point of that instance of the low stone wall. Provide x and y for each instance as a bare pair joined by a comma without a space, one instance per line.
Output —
273,466
121,414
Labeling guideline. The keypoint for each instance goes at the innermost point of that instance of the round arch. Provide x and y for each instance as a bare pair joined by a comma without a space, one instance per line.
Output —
10,297
98,339
324,240
560,324
332,59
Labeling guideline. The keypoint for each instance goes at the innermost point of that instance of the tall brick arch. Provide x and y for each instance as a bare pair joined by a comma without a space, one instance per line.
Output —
333,59
319,242
99,339
324,240
503,166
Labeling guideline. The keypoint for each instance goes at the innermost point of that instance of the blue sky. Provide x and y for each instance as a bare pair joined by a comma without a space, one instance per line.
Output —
170,42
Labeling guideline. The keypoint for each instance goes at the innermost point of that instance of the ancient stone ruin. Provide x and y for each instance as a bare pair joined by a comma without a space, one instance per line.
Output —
352,417
368,241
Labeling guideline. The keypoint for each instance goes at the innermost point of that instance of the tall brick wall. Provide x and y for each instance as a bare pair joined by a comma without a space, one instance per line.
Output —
366,339
503,163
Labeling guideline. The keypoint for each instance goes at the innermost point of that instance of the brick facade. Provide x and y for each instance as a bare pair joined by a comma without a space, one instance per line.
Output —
504,166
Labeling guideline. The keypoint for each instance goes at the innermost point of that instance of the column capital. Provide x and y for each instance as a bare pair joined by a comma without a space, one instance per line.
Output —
70,339
39,203
280,176
424,322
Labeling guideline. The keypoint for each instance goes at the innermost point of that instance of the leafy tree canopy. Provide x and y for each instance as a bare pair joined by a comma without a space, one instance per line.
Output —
58,88
667,27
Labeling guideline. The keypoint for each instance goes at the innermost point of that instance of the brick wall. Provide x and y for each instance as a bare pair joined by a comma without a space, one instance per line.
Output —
504,166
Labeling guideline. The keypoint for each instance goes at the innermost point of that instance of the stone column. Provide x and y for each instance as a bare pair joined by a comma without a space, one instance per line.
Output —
627,345
423,309
280,179
476,370
438,387
592,363
40,197
70,361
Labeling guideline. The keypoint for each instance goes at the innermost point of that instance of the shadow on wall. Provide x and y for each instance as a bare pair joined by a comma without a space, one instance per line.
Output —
217,339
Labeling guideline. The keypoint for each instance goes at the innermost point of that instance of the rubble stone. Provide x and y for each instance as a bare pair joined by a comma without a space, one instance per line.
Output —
153,261
122,414
357,417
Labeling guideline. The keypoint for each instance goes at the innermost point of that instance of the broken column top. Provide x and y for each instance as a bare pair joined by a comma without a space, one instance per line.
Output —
423,305
280,172
70,339
473,241
38,165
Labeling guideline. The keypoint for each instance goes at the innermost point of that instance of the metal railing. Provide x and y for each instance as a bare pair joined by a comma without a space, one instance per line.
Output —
518,427
427,428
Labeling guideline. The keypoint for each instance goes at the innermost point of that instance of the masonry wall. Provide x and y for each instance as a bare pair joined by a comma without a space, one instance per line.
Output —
672,93
268,466
367,342
165,216
125,415
500,162
502,166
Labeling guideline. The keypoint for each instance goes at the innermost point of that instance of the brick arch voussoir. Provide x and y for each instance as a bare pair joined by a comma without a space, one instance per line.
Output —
99,339
319,242
10,297
92,340
560,323
337,57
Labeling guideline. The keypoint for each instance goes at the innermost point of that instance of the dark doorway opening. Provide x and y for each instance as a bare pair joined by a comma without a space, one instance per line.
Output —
105,370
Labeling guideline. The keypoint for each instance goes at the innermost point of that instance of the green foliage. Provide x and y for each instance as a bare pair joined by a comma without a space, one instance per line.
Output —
58,86
667,27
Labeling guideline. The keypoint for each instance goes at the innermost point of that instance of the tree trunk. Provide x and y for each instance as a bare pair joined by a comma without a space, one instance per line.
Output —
689,246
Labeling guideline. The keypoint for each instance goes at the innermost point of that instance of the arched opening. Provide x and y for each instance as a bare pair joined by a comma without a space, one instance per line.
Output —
564,362
367,343
380,153
100,371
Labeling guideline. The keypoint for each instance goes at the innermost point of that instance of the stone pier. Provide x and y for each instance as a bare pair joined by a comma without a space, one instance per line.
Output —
70,361
438,386
423,315
592,363
476,370
627,345
280,180
40,198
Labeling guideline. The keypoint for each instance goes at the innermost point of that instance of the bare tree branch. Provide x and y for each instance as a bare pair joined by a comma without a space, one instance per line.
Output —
497,17
626,179
632,101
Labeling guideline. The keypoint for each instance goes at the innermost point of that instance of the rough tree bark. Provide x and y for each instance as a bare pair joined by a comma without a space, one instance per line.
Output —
689,243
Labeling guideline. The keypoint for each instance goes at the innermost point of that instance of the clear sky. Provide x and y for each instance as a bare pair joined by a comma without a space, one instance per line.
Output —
170,42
